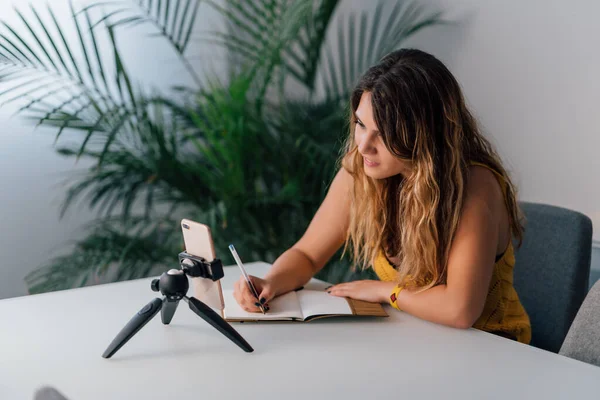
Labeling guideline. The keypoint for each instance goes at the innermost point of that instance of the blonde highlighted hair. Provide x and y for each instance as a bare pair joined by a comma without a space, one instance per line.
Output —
420,111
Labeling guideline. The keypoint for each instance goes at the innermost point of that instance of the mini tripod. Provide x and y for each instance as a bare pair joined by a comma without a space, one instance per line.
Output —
174,285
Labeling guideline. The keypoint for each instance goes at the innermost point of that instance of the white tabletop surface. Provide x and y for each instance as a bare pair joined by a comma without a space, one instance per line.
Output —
57,339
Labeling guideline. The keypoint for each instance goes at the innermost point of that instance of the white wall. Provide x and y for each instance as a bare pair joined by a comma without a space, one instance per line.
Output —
529,70
30,170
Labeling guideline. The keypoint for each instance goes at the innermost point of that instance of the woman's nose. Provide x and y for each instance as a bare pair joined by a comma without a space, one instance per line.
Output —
365,144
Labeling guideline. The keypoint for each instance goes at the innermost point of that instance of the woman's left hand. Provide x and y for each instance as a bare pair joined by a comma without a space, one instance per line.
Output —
367,290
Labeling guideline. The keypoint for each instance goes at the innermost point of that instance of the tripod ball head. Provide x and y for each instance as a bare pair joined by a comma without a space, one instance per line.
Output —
173,284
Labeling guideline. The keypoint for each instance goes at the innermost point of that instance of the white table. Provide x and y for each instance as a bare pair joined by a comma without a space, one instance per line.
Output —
58,338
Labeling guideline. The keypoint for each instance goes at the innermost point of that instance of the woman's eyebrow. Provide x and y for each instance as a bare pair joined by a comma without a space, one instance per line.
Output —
362,123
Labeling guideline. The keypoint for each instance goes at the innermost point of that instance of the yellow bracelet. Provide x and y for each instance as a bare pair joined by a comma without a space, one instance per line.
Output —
394,296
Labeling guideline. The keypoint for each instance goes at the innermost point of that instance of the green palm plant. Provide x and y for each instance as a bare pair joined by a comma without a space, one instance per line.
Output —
245,156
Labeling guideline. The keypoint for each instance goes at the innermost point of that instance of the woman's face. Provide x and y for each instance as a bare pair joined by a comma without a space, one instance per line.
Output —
378,162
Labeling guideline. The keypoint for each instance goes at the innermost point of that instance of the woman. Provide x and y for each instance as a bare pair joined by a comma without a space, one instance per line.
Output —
423,199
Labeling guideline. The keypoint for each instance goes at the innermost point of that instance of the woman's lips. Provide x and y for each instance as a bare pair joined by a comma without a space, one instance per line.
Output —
370,163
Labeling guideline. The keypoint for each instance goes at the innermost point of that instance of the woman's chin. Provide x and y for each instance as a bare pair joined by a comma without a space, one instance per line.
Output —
374,174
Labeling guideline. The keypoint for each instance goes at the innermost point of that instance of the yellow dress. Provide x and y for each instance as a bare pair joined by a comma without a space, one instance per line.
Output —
503,313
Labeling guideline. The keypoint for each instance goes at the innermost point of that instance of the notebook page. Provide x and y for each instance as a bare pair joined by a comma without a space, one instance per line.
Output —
282,307
316,302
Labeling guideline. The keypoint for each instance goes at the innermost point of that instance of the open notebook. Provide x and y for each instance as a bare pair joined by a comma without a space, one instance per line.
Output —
303,305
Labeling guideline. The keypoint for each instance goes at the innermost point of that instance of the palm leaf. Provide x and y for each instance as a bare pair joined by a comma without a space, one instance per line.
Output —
148,162
82,86
264,30
112,251
174,20
378,35
303,56
11,72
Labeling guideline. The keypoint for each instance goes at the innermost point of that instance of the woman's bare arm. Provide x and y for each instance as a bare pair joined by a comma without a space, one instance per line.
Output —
323,237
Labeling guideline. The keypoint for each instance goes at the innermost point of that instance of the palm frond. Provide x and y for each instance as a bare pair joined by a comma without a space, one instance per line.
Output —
144,168
376,35
174,20
36,57
302,57
264,30
77,93
112,251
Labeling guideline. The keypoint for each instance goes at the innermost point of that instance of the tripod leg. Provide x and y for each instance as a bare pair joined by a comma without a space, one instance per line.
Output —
168,310
215,320
136,323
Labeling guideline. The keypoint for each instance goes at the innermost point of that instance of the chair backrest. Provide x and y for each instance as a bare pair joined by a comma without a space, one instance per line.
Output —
583,340
48,393
552,270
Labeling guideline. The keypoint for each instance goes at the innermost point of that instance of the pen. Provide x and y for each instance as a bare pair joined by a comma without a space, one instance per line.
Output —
250,285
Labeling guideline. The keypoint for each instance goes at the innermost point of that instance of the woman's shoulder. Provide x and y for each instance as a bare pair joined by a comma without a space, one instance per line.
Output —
485,185
342,183
486,191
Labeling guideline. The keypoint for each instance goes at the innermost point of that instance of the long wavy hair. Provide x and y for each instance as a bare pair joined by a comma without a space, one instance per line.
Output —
420,111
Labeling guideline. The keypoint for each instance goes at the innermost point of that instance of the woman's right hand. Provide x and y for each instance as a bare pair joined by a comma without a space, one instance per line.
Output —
243,295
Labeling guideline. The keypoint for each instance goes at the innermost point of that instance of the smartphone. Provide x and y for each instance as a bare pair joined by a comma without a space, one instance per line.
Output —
198,242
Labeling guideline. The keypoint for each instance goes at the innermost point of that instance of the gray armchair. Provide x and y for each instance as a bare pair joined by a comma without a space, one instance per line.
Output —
552,270
48,393
583,339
